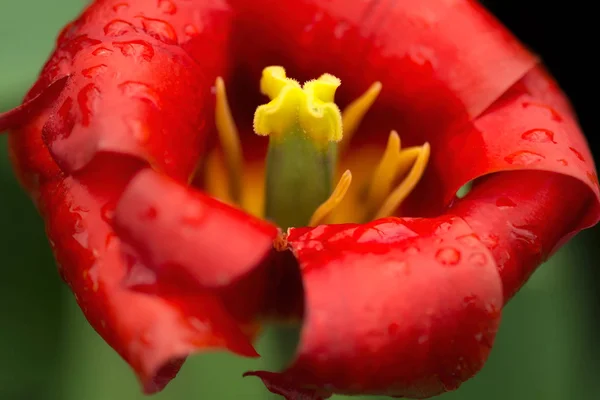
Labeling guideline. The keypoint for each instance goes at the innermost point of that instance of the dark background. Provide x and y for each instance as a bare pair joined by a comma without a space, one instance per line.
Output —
547,347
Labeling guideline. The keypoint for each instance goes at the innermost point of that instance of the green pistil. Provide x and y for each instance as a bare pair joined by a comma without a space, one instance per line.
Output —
304,126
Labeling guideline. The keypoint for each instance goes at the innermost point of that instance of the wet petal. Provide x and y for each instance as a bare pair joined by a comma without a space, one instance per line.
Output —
531,127
119,101
448,59
183,235
394,307
153,334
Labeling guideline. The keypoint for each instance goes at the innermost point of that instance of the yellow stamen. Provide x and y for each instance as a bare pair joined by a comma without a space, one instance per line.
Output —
311,107
230,141
355,112
385,173
215,177
393,201
333,201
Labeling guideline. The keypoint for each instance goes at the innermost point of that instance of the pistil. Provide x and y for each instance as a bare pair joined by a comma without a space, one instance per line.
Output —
304,126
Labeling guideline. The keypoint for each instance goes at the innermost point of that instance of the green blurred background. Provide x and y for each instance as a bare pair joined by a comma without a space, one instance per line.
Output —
546,348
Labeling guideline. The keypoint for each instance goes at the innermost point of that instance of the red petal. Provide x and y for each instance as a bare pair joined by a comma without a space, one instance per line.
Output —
448,59
523,217
154,334
186,236
394,307
134,87
530,128
23,113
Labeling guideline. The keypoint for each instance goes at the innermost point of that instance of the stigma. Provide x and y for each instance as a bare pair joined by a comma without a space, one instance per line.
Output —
306,180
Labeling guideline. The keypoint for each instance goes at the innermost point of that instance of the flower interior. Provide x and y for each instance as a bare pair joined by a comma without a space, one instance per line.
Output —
306,179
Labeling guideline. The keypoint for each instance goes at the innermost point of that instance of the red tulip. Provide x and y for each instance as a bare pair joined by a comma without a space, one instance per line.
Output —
116,144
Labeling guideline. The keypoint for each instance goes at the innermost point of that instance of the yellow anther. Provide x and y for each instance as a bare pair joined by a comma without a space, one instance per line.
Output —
355,112
385,173
393,201
309,109
230,141
333,201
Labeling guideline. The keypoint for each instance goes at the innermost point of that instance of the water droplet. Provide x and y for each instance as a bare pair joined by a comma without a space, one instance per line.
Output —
102,51
146,337
444,227
422,339
94,71
191,30
524,157
79,43
139,130
422,55
448,256
478,336
340,29
167,7
505,202
107,212
193,215
200,326
136,48
120,7
577,153
478,259
140,91
524,235
159,29
593,178
412,250
554,114
150,213
539,136
562,162
490,241
470,240
118,27
88,99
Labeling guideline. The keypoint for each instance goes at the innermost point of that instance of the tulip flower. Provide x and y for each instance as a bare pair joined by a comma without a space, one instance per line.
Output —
193,191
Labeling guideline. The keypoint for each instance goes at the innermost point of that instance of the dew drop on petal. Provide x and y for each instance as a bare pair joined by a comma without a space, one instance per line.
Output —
107,212
479,259
562,162
167,7
139,130
120,7
470,240
191,30
524,157
593,178
118,27
490,241
505,202
448,256
102,51
94,71
577,153
159,29
140,90
136,48
88,101
539,136
149,213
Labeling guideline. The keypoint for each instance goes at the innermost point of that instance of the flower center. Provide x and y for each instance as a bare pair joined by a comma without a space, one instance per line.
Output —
308,136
